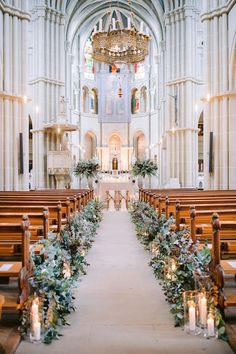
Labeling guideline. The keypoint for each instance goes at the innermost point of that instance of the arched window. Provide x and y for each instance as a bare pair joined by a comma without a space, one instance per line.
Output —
139,146
143,99
135,106
139,71
88,60
90,145
85,99
94,101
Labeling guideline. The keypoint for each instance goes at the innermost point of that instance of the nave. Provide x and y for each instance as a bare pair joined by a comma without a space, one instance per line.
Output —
121,308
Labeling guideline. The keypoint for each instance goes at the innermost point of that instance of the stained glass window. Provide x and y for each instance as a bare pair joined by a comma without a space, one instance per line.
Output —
88,60
139,71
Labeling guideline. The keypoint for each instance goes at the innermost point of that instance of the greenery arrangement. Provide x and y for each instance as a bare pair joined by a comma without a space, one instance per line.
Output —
169,245
57,269
86,168
144,168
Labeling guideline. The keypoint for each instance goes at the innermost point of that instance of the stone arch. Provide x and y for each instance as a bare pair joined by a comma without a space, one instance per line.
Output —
94,101
114,143
139,145
143,99
90,143
85,99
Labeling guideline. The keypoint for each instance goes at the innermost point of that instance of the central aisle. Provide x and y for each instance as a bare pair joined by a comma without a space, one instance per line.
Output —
121,307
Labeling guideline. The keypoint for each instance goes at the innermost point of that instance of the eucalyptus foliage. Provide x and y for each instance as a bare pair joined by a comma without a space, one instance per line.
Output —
144,168
57,268
178,246
86,168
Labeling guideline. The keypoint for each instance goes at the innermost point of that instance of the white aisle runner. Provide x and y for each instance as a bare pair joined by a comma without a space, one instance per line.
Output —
121,307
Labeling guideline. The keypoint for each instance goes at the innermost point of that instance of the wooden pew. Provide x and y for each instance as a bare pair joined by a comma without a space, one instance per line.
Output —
54,213
182,210
222,268
20,270
169,206
39,222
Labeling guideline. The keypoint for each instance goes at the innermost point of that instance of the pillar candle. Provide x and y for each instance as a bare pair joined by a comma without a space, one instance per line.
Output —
36,330
113,23
95,29
210,326
192,318
35,309
203,310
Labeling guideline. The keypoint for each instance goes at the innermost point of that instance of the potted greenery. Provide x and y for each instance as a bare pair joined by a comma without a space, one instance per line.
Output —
142,169
87,169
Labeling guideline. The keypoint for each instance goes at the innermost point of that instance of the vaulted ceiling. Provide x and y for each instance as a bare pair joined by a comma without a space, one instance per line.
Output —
82,15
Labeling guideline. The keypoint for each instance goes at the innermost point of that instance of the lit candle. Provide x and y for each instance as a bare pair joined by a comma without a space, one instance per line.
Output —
36,330
203,309
35,308
210,326
192,317
141,27
100,25
113,23
129,22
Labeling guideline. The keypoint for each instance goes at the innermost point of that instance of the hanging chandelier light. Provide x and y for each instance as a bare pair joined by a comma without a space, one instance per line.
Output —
118,44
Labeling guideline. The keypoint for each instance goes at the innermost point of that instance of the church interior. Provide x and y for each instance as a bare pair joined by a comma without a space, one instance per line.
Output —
117,112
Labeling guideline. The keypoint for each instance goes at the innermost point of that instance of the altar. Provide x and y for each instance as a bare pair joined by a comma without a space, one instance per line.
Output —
115,184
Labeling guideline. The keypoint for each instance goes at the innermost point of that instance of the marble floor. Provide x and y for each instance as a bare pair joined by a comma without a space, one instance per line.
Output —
120,305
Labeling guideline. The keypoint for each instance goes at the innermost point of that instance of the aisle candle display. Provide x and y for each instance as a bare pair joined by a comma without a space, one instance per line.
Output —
203,309
192,317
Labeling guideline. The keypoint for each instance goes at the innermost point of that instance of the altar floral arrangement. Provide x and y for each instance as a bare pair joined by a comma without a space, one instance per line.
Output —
175,260
57,268
144,168
86,168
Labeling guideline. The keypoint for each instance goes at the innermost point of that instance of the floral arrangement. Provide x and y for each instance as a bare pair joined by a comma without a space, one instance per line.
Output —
55,271
86,168
144,168
169,246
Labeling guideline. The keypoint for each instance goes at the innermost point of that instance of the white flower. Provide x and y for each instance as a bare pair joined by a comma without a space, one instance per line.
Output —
66,270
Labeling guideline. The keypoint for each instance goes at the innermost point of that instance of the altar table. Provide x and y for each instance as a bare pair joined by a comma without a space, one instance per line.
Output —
114,185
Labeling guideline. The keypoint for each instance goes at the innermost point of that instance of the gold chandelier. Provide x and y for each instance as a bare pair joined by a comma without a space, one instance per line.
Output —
120,45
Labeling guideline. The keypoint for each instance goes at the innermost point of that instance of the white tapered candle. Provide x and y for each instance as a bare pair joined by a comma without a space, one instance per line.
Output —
100,25
141,27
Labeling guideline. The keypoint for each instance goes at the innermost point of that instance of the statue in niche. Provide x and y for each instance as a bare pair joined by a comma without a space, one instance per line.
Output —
65,144
62,106
114,163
